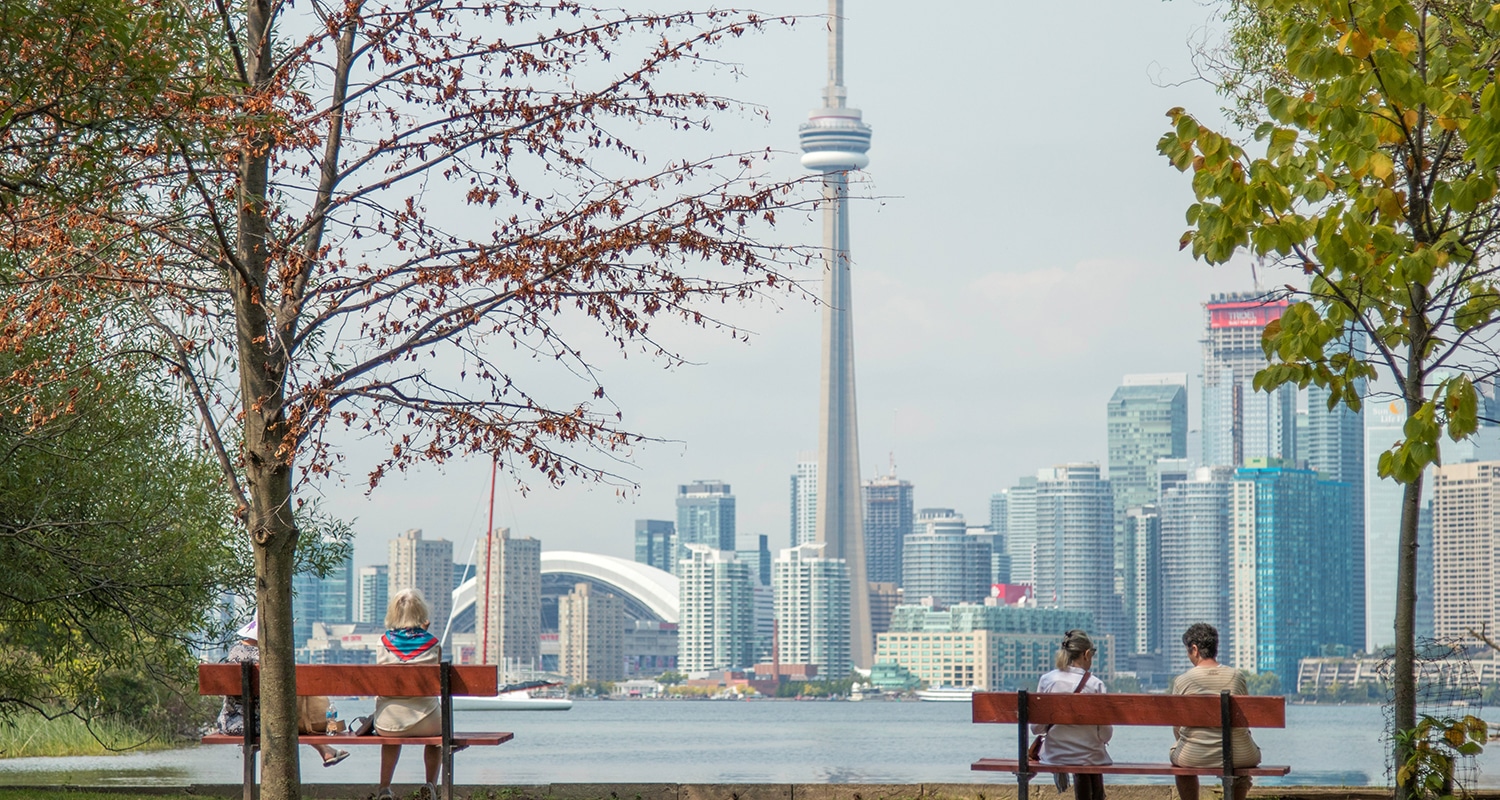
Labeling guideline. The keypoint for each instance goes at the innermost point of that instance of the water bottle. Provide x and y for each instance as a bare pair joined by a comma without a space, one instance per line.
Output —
333,719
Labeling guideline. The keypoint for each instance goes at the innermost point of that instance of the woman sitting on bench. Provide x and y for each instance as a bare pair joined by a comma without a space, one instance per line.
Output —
1204,747
1075,744
408,642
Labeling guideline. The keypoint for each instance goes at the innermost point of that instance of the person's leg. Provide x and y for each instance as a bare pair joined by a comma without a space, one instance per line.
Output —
1187,787
1242,787
1088,787
389,755
433,759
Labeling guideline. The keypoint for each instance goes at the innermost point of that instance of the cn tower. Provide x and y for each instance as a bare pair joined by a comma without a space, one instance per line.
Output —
834,141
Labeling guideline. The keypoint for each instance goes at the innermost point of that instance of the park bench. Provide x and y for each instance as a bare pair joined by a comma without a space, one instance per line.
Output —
1195,710
442,680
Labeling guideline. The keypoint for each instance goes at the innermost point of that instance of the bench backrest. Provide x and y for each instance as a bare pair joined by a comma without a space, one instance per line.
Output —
1196,710
365,680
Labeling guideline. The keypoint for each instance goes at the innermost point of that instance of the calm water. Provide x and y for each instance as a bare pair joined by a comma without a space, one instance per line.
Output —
751,742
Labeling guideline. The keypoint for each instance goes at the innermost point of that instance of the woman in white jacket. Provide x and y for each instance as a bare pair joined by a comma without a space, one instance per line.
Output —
1075,744
407,641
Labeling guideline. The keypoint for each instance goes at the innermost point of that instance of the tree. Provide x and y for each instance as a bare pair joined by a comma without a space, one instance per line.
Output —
115,540
379,219
1377,182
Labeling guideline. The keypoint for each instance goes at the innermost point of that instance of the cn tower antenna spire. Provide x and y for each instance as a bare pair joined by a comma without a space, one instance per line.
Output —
834,142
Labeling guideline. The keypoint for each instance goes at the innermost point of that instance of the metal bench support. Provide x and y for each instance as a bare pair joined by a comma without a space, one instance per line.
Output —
1023,735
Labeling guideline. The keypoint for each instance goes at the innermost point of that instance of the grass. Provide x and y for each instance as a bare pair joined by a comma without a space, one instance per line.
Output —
33,735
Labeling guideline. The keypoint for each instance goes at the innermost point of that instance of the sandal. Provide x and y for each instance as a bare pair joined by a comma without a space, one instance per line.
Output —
338,756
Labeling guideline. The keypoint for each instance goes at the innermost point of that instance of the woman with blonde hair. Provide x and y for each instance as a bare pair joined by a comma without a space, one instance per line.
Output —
407,641
1075,744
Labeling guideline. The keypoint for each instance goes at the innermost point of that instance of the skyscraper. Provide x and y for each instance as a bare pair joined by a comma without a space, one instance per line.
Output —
804,503
326,599
1195,560
1384,423
944,562
372,593
717,611
1146,421
705,515
1141,535
759,559
1020,530
888,521
834,142
426,565
1291,549
1239,422
591,634
656,543
508,608
1075,545
1334,446
1465,573
812,609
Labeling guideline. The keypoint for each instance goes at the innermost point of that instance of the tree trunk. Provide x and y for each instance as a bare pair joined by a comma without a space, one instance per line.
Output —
268,469
1403,679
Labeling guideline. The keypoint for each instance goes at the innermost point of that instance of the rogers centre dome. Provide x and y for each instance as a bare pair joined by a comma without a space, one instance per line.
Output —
649,593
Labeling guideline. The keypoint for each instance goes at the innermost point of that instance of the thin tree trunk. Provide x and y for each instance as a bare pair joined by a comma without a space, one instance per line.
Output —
268,471
1404,681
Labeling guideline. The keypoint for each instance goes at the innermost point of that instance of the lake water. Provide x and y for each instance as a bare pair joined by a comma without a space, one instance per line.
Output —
644,741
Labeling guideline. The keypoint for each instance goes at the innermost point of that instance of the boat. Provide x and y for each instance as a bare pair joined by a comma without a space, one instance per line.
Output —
515,697
946,694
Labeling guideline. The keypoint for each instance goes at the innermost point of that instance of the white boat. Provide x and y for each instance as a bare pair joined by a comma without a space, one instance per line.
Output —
515,697
946,694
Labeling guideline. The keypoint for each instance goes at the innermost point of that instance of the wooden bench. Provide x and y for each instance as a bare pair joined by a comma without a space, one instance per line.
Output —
1195,710
344,680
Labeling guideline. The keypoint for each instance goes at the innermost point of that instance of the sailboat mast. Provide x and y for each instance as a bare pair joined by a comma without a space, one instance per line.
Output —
489,546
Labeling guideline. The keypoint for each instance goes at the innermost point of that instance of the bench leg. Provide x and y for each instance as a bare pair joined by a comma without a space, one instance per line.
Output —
446,710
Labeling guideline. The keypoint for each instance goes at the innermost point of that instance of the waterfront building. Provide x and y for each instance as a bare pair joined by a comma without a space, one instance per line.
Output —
591,630
834,142
759,560
1020,530
372,593
1143,553
329,598
1146,421
812,609
763,597
804,502
656,543
717,611
1291,549
988,647
1333,444
888,519
942,561
1239,422
427,566
884,597
1465,573
1194,571
705,515
508,621
1075,548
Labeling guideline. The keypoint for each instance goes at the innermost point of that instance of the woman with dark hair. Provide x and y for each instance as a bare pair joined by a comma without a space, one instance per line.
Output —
1204,747
1075,744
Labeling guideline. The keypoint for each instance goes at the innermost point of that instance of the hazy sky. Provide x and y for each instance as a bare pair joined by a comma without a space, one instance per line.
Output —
1020,258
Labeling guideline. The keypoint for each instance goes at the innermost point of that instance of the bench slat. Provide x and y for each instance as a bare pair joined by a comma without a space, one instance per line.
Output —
363,680
459,739
1011,765
1199,710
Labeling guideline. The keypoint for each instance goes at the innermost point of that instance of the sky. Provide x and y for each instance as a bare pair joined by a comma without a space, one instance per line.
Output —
1015,255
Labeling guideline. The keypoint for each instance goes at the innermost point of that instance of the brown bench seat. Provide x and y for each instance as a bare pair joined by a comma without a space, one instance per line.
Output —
1223,711
444,681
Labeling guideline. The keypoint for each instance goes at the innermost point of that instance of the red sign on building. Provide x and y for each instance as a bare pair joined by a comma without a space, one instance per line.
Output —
1252,314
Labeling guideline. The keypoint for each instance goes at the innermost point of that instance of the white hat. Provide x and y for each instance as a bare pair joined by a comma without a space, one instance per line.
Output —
248,631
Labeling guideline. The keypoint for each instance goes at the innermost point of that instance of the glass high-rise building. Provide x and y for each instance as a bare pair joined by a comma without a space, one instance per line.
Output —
716,628
705,515
1140,537
888,521
1333,445
812,609
1238,422
804,503
1291,553
1075,544
943,561
1194,570
1020,530
372,594
326,599
1000,512
759,559
1146,421
656,543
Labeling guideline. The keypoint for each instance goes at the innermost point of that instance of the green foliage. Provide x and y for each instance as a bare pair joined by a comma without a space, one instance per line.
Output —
671,678
1434,744
1363,692
815,688
1266,684
1125,684
114,537
591,689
